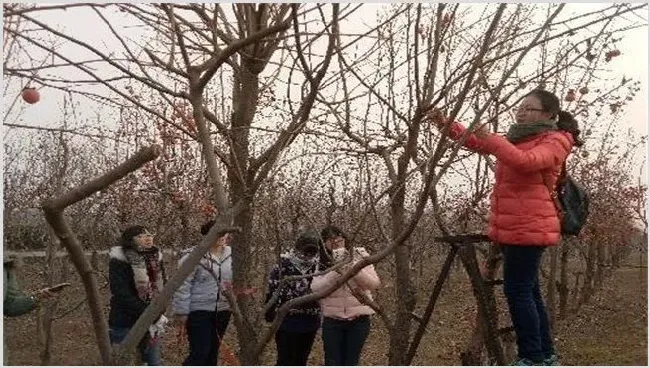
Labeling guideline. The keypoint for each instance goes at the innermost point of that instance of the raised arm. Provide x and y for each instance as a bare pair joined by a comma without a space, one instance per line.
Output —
456,131
472,143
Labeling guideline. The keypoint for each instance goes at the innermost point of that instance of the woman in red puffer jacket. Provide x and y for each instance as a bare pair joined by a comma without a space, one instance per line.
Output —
523,218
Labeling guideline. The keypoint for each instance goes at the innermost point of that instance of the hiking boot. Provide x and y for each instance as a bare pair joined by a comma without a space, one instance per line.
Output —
524,361
552,360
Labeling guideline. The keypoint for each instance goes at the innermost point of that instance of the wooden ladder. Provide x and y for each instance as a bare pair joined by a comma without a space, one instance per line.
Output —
489,334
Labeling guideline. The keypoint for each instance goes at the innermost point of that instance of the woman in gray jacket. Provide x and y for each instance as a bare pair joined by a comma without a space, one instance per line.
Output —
199,304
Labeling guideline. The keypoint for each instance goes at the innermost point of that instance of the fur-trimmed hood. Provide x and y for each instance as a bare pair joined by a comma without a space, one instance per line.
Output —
117,252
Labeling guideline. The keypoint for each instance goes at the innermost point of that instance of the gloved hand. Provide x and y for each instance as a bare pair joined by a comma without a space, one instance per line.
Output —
162,321
158,329
339,254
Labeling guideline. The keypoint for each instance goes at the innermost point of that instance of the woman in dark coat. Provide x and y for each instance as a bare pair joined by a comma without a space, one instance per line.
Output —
136,276
295,336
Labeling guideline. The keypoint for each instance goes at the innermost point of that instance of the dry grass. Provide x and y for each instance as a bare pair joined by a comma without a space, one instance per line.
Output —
610,330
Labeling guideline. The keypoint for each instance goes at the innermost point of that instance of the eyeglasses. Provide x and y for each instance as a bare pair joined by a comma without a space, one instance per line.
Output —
529,109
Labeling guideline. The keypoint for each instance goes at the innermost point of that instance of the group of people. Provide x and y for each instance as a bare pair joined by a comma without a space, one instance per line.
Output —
523,222
137,274
345,316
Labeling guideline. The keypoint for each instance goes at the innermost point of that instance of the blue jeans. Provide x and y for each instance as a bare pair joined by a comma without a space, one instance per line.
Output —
527,310
149,352
344,340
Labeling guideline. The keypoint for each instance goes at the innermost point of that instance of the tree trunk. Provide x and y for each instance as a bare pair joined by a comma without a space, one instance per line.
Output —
642,264
245,96
69,239
486,305
607,259
185,225
399,338
473,354
576,292
564,281
435,293
243,277
405,295
600,265
551,286
46,313
590,272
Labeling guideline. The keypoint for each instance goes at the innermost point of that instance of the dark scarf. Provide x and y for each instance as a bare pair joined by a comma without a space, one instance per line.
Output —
147,273
520,132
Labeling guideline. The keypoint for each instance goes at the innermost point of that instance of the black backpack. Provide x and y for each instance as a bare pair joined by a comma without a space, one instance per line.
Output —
571,200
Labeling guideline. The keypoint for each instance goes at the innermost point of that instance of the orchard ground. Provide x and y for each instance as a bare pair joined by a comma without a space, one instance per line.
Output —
609,330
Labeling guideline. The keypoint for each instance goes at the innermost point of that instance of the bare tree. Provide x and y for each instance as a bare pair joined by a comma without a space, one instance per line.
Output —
299,121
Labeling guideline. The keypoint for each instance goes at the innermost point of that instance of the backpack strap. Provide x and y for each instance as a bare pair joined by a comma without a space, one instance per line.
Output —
552,190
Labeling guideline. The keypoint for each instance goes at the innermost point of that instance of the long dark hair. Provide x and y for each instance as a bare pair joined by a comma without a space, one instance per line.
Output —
565,121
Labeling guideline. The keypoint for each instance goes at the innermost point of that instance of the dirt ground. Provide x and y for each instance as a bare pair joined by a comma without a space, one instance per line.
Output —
610,330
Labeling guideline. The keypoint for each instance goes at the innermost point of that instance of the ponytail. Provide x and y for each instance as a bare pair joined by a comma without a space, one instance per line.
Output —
567,123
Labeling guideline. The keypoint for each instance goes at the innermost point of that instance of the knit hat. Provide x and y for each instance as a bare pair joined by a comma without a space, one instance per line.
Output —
307,238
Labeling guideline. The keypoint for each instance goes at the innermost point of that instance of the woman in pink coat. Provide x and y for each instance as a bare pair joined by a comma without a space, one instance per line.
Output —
346,322
523,217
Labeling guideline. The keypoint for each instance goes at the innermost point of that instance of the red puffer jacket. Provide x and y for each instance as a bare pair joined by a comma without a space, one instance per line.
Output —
521,210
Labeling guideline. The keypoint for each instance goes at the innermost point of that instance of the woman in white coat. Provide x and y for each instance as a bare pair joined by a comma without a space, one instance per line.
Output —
200,305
